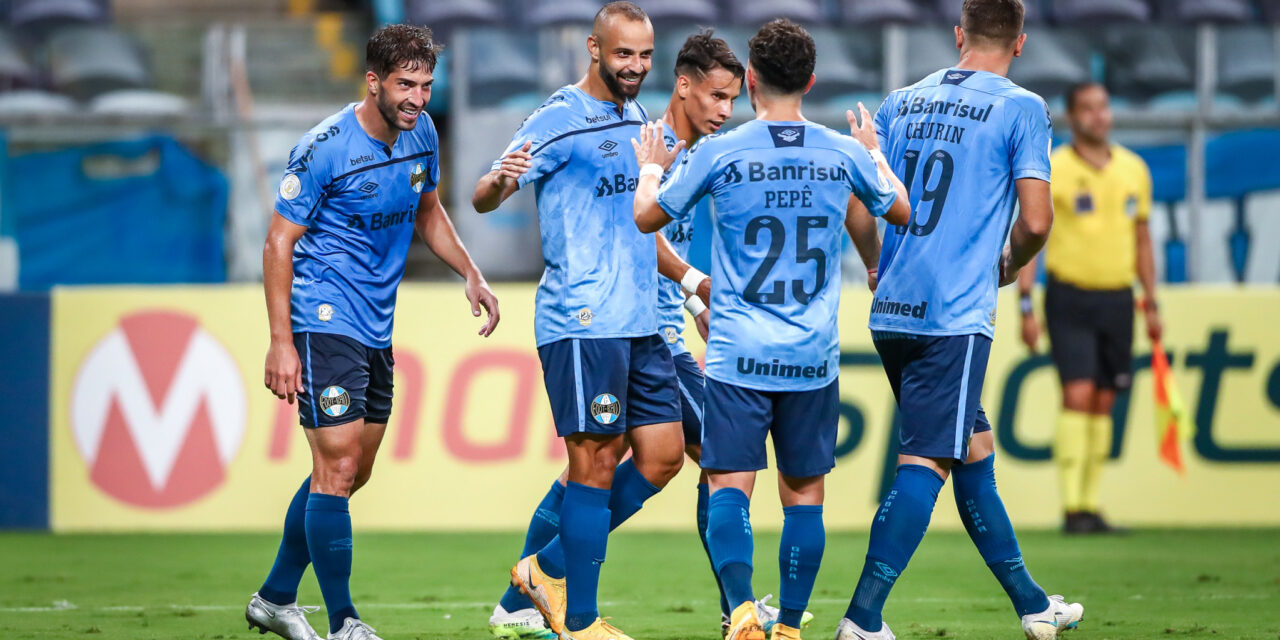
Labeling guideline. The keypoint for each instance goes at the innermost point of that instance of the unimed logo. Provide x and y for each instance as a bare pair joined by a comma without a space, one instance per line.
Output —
158,410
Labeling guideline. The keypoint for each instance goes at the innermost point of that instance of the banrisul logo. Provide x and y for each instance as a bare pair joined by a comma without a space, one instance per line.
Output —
617,185
158,410
731,174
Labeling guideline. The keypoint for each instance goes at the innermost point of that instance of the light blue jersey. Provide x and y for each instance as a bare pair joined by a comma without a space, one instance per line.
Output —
670,294
958,140
779,192
601,276
358,200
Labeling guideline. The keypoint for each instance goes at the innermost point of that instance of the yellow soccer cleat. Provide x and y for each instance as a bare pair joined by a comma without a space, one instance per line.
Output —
599,630
783,632
744,623
547,593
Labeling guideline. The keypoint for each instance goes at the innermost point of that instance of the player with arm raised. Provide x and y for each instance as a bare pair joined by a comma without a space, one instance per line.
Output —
780,188
358,185
609,375
966,142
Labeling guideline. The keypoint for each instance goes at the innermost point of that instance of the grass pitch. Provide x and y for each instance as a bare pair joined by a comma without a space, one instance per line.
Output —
1151,584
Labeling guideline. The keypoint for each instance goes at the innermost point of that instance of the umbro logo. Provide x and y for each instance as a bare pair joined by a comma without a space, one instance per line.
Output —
789,135
955,76
369,187
608,147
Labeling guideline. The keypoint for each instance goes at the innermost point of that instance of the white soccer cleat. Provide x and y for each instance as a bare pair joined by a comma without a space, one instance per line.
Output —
1060,616
288,621
354,629
525,624
769,614
848,630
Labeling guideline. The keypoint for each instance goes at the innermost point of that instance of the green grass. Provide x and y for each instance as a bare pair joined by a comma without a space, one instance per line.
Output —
1152,584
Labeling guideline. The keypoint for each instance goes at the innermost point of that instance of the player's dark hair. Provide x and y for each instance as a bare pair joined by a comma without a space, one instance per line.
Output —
703,52
996,21
1073,93
629,10
400,46
782,54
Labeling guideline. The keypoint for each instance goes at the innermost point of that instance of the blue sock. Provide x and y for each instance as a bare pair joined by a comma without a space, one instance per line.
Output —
629,491
584,528
704,496
988,525
544,526
803,541
896,531
329,540
292,558
729,537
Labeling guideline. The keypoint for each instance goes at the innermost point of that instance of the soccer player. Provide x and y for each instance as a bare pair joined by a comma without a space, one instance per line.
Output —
781,187
609,375
1102,194
358,185
966,141
708,80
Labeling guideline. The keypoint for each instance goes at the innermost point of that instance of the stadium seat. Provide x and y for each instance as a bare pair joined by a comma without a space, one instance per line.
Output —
1194,11
45,13
680,12
1143,62
15,71
551,13
31,103
949,11
757,12
1050,63
138,104
869,12
932,48
500,65
87,61
1270,10
443,16
1188,101
837,70
1101,11
1246,62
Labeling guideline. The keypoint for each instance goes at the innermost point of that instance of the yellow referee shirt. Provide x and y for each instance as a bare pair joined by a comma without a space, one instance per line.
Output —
1092,244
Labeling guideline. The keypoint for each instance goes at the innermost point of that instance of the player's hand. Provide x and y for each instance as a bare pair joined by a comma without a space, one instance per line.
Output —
481,296
873,279
1008,272
704,291
1155,330
864,132
703,322
1030,331
652,148
283,370
516,163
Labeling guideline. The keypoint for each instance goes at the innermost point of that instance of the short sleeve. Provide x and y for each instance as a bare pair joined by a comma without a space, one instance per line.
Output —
688,182
1030,136
543,130
873,189
302,189
433,160
1144,190
882,119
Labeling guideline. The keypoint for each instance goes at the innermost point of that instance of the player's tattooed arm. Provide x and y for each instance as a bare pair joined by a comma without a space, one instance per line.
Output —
865,132
283,370
498,185
1030,230
437,230
866,238
654,159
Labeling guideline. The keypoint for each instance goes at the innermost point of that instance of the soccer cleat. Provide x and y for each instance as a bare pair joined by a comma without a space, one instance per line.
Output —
525,624
354,629
783,632
744,623
285,620
769,615
547,593
599,630
848,630
724,626
1060,616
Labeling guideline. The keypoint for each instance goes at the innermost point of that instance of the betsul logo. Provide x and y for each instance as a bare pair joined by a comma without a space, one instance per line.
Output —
158,410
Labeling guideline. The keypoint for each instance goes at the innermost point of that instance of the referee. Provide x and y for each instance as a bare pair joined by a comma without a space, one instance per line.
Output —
1100,241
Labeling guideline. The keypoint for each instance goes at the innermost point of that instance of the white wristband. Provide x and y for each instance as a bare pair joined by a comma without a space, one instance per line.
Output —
692,278
694,305
652,169
878,156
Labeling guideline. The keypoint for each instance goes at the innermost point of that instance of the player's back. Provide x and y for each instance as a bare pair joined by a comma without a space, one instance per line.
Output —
958,139
779,192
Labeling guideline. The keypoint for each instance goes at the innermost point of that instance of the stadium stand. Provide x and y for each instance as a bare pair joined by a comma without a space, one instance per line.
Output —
1100,12
86,61
757,12
863,12
446,15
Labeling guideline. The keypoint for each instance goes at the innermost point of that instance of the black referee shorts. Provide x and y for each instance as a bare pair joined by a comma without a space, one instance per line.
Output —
1091,334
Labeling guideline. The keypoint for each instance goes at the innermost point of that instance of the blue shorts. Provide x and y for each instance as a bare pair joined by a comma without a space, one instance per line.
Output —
937,381
691,381
803,425
609,385
343,380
